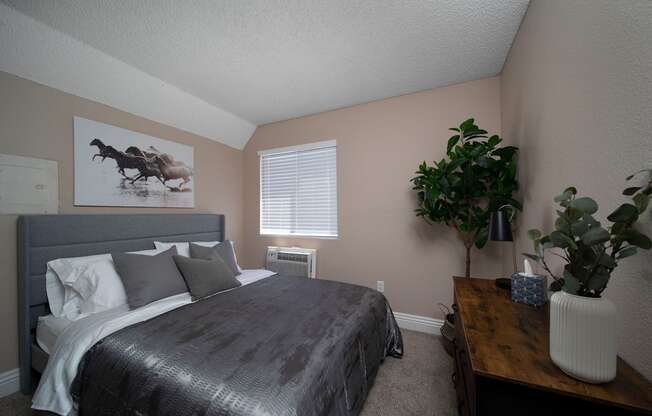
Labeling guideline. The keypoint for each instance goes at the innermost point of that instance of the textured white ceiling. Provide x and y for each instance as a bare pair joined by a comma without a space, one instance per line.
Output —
270,60
35,51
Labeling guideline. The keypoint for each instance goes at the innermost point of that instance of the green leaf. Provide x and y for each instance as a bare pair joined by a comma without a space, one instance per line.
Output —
596,235
585,204
561,240
564,197
452,142
537,248
546,243
467,124
627,213
641,200
631,190
626,252
586,254
637,239
483,162
505,153
571,284
561,224
556,285
580,227
574,214
454,129
607,261
474,133
494,140
618,228
598,282
534,234
570,190
481,237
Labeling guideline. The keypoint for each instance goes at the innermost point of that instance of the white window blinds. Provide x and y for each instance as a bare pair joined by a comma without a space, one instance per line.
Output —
298,190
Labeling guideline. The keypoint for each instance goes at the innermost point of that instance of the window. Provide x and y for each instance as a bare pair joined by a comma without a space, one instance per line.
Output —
298,190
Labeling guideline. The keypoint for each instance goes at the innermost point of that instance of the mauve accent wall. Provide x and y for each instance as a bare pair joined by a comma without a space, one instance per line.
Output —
577,98
379,146
37,121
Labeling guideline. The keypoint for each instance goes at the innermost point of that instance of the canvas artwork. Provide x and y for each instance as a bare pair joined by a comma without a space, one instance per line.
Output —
119,167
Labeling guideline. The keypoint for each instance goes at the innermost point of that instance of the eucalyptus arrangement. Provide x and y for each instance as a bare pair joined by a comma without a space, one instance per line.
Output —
463,190
591,252
582,321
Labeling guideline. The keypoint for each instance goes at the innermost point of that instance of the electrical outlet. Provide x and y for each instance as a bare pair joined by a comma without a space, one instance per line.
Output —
380,285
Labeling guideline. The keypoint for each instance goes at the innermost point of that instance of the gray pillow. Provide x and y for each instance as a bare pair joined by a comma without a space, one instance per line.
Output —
223,251
149,278
205,277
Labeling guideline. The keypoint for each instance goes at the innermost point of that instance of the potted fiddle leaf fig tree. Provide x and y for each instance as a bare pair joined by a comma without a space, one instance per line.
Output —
582,321
462,190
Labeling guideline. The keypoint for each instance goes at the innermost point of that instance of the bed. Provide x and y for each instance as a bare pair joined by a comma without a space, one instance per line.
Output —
277,345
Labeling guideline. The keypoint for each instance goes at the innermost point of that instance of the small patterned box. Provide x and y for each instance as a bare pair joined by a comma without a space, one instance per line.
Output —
529,289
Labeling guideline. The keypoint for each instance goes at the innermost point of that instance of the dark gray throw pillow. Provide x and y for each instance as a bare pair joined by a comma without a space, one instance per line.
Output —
205,277
149,278
223,251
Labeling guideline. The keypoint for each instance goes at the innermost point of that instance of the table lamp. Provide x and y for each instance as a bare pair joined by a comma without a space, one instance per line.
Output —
500,229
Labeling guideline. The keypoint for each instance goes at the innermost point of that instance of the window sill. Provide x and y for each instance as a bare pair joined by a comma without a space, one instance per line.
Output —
301,236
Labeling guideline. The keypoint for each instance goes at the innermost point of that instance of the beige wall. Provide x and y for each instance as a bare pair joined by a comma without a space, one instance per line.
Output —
36,121
577,98
379,146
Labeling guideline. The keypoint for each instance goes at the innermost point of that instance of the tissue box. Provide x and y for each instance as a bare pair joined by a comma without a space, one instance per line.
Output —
529,289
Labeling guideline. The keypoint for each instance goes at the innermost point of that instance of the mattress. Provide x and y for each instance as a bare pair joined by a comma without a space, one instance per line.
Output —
48,329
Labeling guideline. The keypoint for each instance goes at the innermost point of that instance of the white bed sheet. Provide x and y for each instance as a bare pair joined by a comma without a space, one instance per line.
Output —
53,392
48,329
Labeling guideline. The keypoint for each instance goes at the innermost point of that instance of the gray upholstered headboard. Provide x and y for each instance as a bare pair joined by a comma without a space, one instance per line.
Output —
42,238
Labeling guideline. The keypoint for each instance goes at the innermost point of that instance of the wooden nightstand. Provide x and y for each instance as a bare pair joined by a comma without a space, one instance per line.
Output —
503,366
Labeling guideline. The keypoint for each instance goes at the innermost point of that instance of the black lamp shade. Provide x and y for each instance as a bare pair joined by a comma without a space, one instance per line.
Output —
500,228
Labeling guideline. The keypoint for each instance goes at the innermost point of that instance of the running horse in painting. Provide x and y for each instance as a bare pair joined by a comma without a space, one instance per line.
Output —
133,158
149,163
172,169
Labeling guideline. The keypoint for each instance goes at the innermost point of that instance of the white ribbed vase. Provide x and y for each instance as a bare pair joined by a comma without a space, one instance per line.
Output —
583,337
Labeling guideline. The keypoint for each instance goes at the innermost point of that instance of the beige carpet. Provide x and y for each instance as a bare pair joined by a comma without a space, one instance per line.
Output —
418,385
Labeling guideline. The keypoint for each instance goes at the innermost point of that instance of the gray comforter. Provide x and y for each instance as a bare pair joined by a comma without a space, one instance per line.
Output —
280,346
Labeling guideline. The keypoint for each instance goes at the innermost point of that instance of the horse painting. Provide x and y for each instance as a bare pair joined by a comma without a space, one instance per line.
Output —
151,163
120,167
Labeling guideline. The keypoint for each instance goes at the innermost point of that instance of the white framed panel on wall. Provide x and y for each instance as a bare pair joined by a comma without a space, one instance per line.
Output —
28,185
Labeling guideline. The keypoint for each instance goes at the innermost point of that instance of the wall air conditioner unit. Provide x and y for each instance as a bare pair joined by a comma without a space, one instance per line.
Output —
292,261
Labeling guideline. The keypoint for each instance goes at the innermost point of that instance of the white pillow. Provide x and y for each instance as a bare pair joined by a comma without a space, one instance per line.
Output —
236,257
80,286
183,248
55,292
99,286
67,271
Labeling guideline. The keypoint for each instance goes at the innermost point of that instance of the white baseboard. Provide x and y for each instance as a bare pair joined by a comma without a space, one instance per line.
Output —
9,382
418,323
